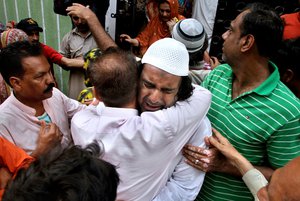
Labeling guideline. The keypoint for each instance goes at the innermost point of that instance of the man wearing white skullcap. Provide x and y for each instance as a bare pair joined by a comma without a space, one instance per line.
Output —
192,34
147,148
164,81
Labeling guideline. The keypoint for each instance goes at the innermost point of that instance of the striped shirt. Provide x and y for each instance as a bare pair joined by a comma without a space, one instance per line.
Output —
262,124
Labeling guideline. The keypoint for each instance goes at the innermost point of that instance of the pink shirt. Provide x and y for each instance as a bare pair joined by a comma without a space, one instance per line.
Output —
19,125
147,148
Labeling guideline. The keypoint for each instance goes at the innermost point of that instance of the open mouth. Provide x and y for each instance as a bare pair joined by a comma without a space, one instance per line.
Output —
151,107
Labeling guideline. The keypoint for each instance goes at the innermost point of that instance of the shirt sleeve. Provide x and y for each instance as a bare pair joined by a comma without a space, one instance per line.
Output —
12,156
64,46
144,37
284,145
197,76
254,180
52,54
186,181
184,184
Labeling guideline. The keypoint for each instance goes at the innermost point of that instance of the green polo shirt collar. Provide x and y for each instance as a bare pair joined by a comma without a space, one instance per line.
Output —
270,83
267,86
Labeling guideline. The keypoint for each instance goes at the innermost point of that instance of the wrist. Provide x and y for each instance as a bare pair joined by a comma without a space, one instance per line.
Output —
242,164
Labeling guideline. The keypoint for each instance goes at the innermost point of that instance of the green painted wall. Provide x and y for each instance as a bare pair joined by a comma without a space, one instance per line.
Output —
55,26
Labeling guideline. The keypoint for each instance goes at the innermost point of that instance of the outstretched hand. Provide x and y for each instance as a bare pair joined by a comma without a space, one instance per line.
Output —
127,38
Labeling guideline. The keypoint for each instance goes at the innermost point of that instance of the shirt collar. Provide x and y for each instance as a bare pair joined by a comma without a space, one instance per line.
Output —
21,106
115,112
75,31
270,83
267,86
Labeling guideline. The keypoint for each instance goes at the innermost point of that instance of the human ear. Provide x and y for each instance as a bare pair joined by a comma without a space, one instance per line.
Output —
15,83
287,76
96,94
247,42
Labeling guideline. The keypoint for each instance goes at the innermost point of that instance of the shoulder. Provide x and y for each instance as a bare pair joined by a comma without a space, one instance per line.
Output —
67,35
85,117
221,74
48,49
286,100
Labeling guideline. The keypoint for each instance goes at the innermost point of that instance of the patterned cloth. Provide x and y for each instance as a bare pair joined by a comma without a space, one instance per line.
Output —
11,36
4,90
86,95
89,57
7,37
185,8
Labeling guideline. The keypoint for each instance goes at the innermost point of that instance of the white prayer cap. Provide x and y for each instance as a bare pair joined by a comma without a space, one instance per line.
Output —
169,55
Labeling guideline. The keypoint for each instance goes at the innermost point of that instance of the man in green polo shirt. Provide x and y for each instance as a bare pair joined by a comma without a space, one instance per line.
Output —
250,106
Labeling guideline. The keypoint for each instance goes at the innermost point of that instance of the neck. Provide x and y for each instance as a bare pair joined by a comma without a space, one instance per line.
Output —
249,73
37,105
131,105
83,32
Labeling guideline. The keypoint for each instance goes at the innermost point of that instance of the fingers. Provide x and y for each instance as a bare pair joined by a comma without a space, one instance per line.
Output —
214,62
219,137
215,143
196,161
75,8
196,150
206,140
198,165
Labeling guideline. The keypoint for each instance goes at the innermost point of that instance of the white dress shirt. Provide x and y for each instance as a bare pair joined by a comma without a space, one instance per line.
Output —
145,149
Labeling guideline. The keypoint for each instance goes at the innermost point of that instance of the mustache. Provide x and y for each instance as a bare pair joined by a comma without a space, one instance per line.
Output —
49,88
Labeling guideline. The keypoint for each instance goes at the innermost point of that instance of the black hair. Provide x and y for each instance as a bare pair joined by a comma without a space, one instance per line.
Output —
73,174
287,57
265,25
114,76
11,58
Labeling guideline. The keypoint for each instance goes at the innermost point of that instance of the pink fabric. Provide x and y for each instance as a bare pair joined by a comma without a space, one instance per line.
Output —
19,125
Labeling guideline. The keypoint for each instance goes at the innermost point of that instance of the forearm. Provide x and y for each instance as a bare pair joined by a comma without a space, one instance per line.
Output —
241,166
77,63
135,42
102,39
5,176
266,171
